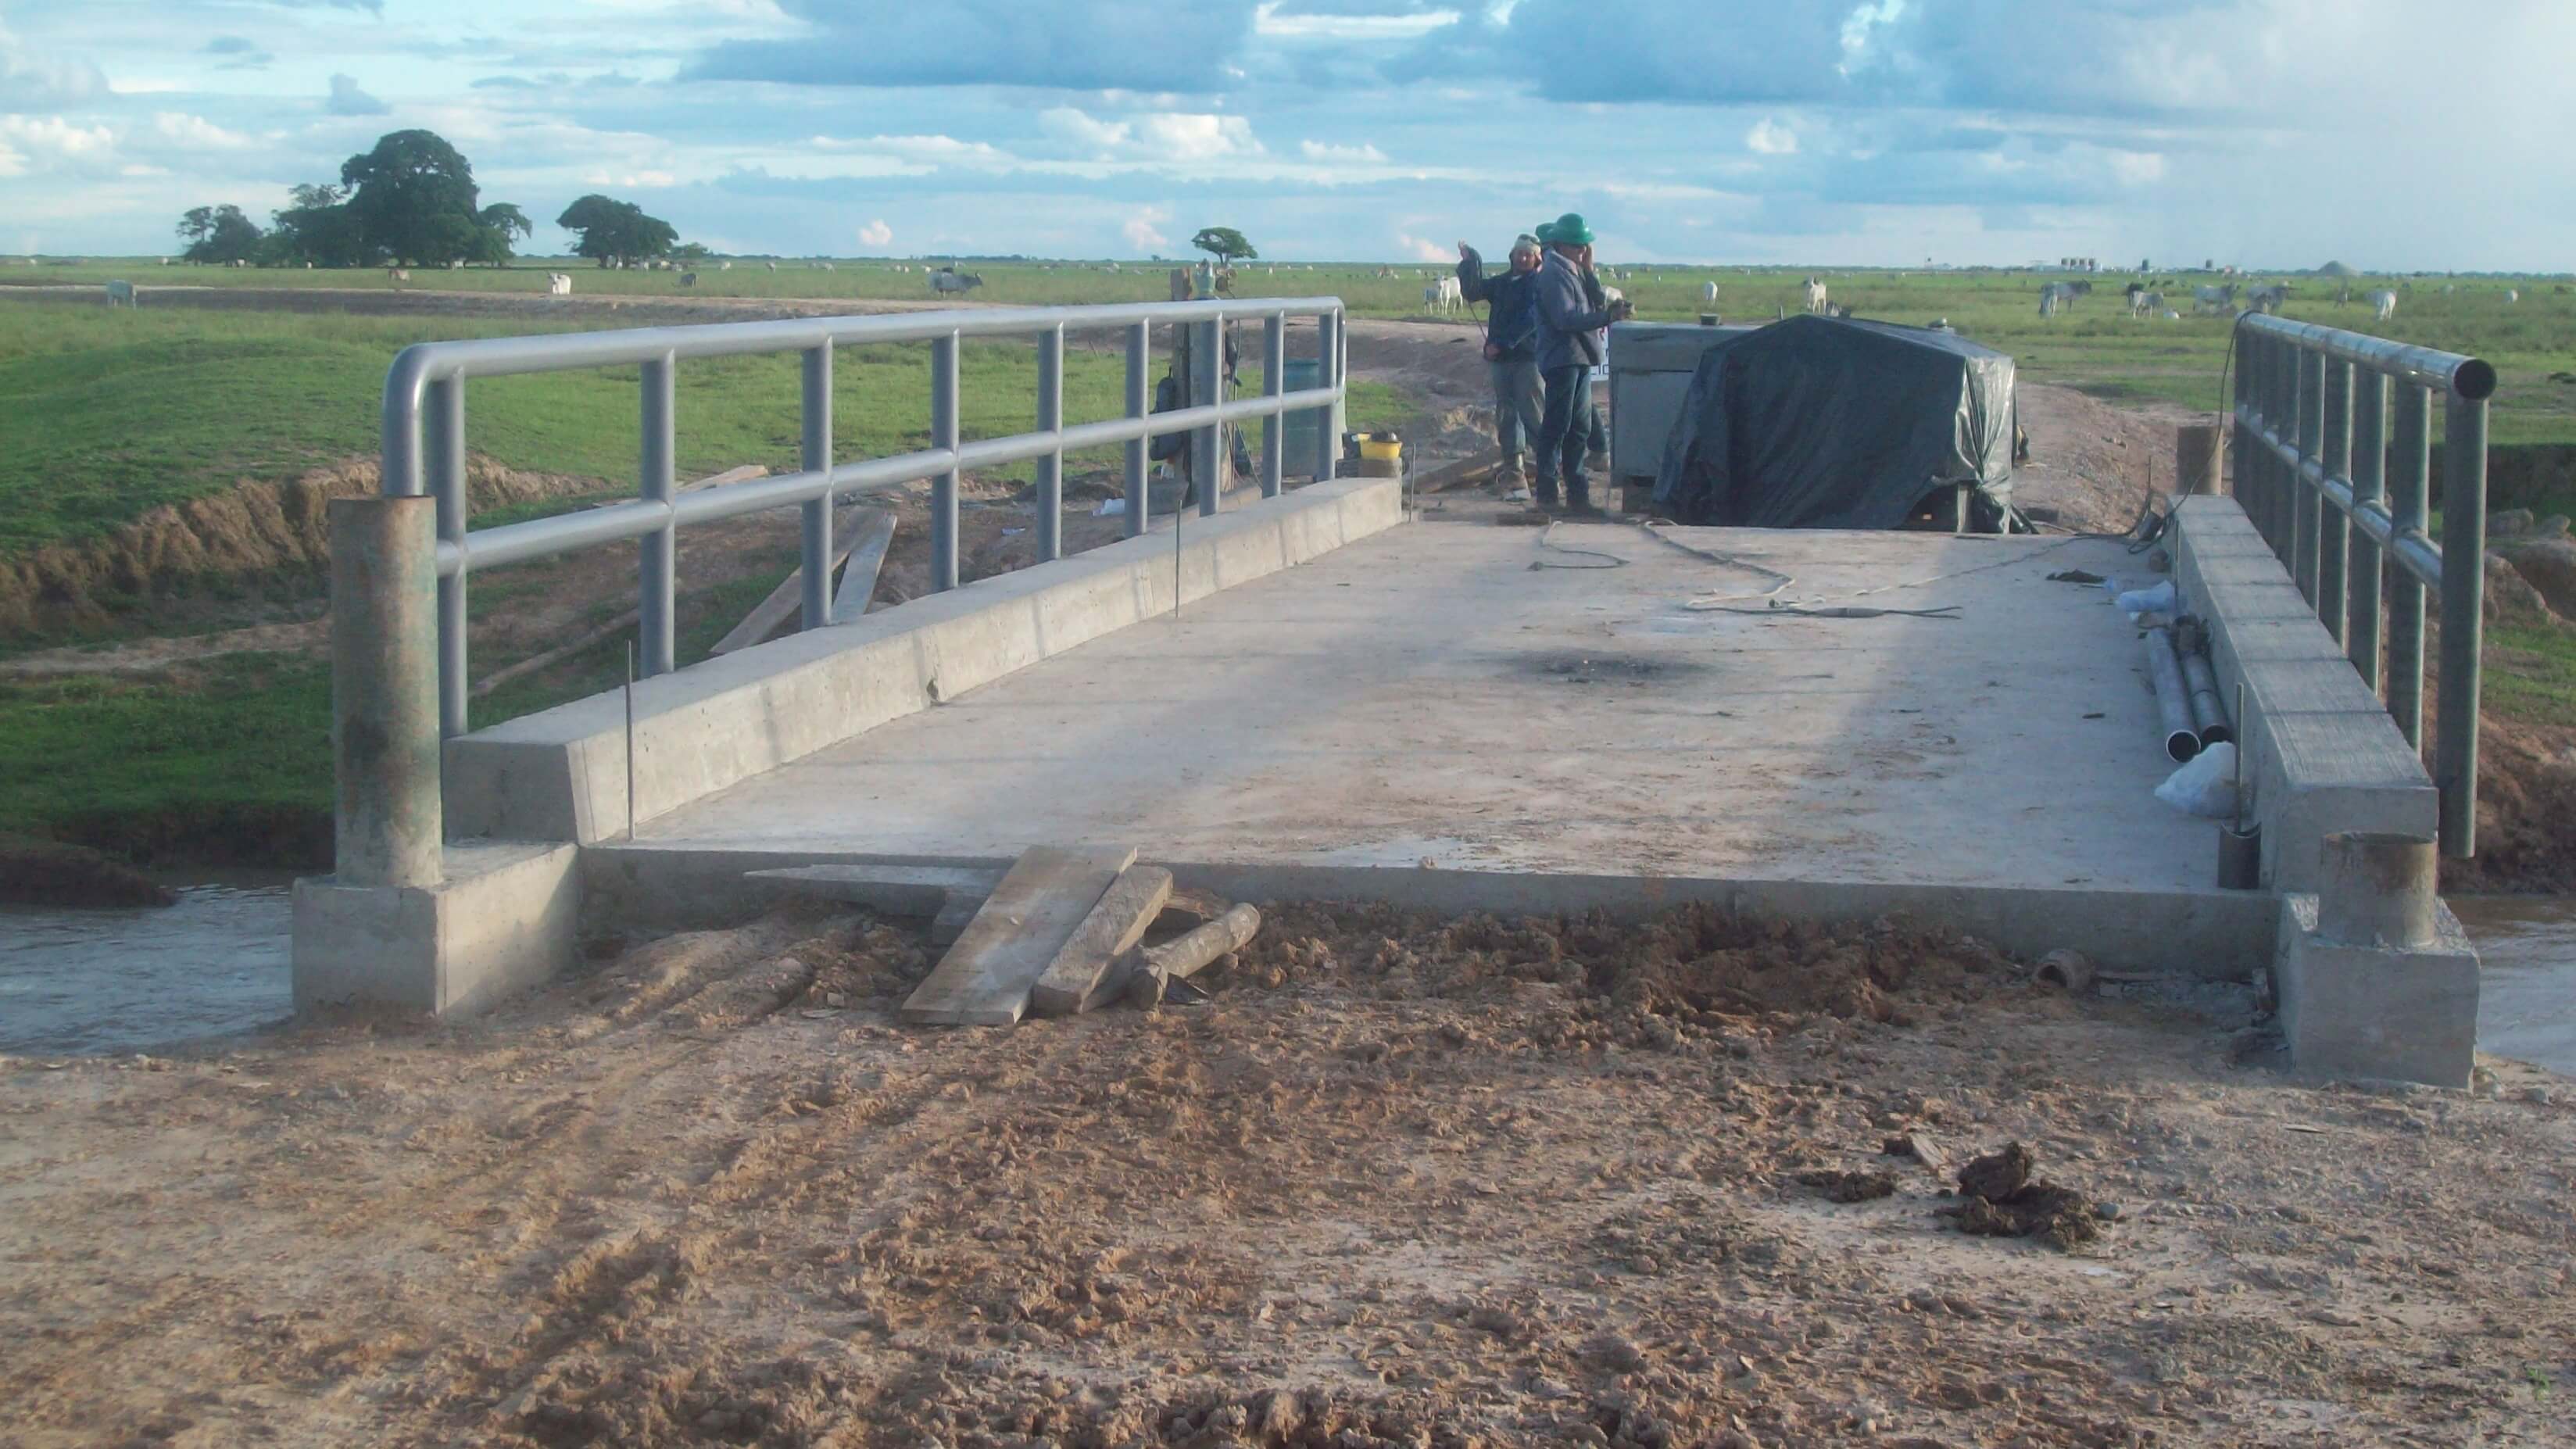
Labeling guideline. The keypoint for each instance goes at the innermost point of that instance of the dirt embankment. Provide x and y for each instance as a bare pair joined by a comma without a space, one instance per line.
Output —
1404,1182
251,530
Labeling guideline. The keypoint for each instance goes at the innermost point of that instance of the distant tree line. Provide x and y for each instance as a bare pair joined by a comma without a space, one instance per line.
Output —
412,201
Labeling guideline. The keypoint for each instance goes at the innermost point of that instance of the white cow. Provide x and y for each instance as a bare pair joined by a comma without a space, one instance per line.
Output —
1443,296
1708,293
2512,295
394,274
724,266
2056,296
1815,295
2213,299
827,266
120,294
773,266
2146,304
2383,305
2267,300
558,284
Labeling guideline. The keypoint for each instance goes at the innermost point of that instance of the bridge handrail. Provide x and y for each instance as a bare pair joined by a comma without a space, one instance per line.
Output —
2312,470
424,439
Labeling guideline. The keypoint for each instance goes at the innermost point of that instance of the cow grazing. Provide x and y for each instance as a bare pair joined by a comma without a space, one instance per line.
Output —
773,266
688,279
949,279
120,294
2267,300
1815,291
1443,296
724,266
2213,299
2143,303
558,284
392,274
2383,305
2512,295
1708,294
2055,297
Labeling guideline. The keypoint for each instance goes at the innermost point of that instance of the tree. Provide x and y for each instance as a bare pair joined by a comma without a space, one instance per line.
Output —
617,231
220,235
1227,243
318,229
414,201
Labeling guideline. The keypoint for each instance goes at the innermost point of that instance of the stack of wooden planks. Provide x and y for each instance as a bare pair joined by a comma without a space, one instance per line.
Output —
1062,931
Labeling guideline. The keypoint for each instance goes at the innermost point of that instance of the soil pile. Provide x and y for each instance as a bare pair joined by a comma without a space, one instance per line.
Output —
254,529
50,873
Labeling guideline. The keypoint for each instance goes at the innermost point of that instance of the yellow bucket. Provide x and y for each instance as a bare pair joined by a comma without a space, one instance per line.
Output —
1381,447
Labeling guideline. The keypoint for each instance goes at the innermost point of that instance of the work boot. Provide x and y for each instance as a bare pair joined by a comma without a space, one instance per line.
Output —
1578,499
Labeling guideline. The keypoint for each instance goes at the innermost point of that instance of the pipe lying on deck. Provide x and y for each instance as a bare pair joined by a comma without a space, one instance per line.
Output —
2173,697
2208,711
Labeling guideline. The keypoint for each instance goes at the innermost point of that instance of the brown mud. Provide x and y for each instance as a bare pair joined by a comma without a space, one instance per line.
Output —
56,873
1402,1182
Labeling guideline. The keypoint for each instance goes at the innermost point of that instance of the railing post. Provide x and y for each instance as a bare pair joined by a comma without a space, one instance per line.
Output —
1208,458
2365,576
2464,582
1140,362
1274,428
443,454
814,455
1328,430
387,820
2312,428
2408,505
1050,491
943,485
658,553
2336,458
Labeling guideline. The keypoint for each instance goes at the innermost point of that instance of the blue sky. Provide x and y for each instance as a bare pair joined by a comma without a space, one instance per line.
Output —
1829,132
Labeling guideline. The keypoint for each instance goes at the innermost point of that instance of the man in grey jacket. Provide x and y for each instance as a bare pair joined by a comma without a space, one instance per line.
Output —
1511,349
1570,328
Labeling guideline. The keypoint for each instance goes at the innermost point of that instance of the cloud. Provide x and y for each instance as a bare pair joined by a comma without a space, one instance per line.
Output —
877,233
48,140
1067,123
198,134
30,80
347,100
1110,44
1360,155
1769,138
1143,230
238,53
1423,249
1182,136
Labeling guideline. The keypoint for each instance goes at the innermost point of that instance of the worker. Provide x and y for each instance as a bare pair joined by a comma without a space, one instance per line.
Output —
1511,350
1570,346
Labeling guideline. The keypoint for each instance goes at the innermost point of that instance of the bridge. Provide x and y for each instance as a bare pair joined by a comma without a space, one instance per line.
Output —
1342,690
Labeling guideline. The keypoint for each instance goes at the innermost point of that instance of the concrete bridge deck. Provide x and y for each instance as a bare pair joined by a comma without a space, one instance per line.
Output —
1468,697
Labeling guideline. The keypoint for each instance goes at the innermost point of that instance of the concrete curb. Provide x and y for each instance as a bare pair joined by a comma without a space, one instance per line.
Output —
561,774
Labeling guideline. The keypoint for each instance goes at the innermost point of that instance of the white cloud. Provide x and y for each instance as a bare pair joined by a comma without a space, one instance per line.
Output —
1066,123
1143,230
1770,138
2137,168
1423,249
1187,136
1363,154
29,143
930,150
876,233
629,178
183,129
30,78
1267,21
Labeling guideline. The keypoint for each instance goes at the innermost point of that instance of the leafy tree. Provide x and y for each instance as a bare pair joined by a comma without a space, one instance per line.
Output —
319,228
617,231
220,235
1227,243
413,197
691,252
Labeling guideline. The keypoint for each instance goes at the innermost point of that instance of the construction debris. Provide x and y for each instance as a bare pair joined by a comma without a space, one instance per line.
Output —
985,979
1154,970
1077,980
2005,1201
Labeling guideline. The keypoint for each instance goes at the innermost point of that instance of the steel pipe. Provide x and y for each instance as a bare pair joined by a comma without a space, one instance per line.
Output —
2366,575
1140,350
1274,427
2173,697
657,559
2464,535
2466,377
2409,507
2208,709
2334,461
1050,489
444,455
814,455
1208,453
943,484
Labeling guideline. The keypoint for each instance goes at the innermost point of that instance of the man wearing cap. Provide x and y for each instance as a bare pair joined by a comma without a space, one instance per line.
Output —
1511,348
1570,346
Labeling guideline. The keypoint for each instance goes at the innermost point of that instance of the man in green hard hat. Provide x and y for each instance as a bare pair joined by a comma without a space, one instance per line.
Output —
1571,326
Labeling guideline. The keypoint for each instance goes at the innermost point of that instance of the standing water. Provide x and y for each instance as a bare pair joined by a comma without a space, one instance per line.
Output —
121,979
2527,976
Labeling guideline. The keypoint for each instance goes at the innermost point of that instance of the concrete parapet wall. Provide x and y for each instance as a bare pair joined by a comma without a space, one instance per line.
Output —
561,774
2320,750
2210,934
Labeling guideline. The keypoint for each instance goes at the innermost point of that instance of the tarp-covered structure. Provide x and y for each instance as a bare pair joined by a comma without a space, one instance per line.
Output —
1821,422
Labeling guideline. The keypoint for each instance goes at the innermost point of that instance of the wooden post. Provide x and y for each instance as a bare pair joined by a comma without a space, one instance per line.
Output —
2196,460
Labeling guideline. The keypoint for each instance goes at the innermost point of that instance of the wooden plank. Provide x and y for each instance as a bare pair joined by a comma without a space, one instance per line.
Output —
985,978
894,890
1072,982
556,655
772,613
873,531
1152,972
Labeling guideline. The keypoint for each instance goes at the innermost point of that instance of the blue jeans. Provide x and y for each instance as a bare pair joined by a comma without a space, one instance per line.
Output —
1564,435
1520,409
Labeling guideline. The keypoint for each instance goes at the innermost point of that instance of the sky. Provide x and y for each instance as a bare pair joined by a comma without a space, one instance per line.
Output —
2389,134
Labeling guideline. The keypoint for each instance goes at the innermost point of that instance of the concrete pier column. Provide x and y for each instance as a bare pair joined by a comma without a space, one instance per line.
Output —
2196,459
2377,890
384,690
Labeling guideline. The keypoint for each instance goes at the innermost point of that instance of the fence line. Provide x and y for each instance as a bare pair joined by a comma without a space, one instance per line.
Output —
424,440
2311,461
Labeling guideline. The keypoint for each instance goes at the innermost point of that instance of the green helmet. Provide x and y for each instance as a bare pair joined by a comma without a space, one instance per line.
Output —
1572,230
1545,231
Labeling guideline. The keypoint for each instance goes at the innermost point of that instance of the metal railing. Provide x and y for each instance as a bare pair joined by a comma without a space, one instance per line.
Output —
424,440
2313,468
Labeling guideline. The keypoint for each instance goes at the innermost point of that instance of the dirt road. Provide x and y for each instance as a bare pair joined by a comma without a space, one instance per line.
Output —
1403,1182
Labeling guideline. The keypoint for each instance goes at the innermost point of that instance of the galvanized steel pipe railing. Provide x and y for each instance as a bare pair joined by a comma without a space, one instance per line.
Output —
424,440
2332,457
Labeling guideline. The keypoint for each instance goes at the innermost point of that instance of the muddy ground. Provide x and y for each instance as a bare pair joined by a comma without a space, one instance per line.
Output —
1403,1182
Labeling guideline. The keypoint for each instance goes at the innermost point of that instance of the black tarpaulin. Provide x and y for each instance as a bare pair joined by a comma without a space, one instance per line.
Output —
1819,422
